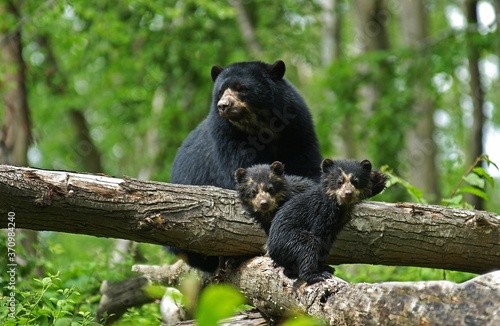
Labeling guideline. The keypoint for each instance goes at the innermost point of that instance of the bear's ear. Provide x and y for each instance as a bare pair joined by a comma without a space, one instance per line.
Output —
216,70
367,165
239,174
278,168
326,165
277,70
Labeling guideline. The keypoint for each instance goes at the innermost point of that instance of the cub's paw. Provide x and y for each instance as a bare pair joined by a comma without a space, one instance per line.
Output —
317,277
328,268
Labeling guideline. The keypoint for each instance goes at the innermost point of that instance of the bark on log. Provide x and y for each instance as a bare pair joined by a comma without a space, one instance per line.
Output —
474,302
211,221
245,318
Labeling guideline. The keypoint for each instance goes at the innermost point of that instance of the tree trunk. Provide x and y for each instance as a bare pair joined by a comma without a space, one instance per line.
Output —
15,135
85,147
331,51
246,28
477,94
371,32
496,4
210,221
371,17
331,36
420,139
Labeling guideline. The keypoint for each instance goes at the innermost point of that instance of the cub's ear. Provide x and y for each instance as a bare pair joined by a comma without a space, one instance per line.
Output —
240,174
216,70
278,168
367,165
326,165
277,70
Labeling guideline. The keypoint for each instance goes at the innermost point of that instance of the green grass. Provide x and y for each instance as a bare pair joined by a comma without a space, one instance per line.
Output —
357,273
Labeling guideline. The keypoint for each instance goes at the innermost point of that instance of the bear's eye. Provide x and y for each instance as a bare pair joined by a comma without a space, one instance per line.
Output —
240,88
253,191
340,182
270,189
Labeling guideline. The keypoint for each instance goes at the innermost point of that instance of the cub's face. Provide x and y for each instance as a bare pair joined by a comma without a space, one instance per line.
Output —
261,187
262,196
346,181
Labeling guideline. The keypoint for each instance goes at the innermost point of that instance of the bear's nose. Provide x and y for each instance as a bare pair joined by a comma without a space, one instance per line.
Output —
264,203
223,104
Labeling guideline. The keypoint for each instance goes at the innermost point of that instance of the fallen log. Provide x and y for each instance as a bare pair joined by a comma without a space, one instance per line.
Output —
338,302
211,221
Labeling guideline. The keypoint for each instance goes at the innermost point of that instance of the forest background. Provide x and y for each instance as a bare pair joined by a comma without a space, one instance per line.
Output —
114,87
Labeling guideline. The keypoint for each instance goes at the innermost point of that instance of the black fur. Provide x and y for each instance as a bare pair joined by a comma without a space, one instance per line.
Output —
264,188
304,229
256,117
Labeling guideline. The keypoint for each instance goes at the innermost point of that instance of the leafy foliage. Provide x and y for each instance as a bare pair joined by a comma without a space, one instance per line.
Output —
394,179
229,301
139,71
48,303
476,177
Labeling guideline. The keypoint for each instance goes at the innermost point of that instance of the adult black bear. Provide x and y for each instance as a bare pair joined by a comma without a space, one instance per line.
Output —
303,230
263,188
256,116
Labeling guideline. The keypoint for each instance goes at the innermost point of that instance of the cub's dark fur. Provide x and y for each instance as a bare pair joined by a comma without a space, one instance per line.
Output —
263,188
304,229
256,117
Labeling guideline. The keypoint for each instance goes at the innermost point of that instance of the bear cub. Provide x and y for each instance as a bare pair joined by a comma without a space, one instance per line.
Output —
263,188
303,230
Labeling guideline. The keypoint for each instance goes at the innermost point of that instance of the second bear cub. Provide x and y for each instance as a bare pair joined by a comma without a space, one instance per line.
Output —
304,229
264,188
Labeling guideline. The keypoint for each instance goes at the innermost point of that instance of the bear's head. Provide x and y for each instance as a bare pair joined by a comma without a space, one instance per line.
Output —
245,93
347,181
261,188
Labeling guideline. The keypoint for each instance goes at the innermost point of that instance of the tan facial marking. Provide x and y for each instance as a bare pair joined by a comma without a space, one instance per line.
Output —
347,194
264,202
230,99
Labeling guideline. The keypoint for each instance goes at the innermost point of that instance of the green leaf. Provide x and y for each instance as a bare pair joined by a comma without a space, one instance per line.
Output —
47,281
416,193
483,174
413,191
218,302
474,191
474,180
154,291
486,158
453,201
